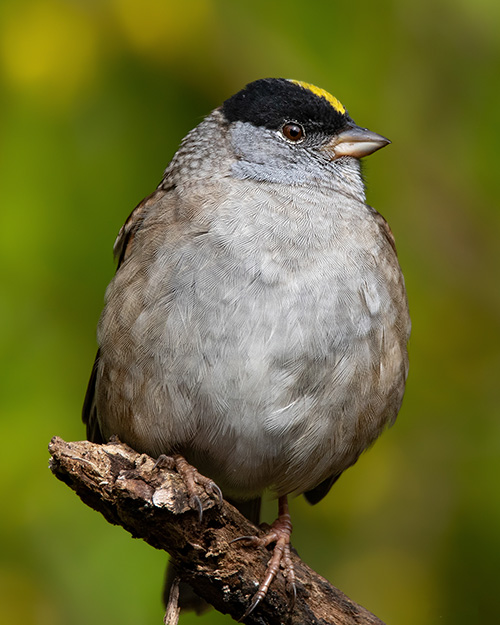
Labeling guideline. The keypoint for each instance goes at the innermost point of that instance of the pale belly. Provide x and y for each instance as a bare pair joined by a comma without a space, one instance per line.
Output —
263,381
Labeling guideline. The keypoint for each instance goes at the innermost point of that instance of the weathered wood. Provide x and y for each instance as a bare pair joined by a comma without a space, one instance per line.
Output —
152,503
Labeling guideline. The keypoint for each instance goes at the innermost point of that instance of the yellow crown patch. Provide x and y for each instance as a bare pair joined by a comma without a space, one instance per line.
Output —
338,106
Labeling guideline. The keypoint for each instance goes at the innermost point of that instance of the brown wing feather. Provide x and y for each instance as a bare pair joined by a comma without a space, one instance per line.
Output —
125,239
385,229
122,249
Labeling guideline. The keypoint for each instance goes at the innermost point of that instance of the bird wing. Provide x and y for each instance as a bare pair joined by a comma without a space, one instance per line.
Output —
317,493
89,412
122,249
125,239
385,229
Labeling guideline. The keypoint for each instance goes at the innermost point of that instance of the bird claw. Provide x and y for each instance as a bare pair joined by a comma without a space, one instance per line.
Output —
212,489
249,610
192,479
279,533
195,503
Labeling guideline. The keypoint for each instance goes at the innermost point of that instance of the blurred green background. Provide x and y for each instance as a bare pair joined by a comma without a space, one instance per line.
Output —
95,97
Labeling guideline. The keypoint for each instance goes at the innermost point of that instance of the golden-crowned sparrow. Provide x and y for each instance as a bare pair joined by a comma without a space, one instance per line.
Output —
257,323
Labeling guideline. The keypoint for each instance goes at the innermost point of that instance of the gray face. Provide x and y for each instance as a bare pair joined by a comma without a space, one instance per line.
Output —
266,155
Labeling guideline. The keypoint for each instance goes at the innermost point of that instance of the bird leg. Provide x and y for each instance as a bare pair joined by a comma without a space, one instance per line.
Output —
279,533
192,478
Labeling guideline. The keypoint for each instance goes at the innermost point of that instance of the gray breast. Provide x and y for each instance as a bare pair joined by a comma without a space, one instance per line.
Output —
271,346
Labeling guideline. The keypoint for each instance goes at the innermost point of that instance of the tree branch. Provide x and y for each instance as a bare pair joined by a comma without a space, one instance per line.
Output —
152,504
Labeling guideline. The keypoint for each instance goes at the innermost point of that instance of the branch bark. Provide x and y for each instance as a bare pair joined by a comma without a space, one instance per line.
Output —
152,504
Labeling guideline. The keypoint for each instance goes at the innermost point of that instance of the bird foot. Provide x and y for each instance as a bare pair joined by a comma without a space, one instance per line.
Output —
192,479
279,533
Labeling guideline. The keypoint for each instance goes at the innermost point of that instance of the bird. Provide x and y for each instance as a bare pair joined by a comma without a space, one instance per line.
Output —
257,324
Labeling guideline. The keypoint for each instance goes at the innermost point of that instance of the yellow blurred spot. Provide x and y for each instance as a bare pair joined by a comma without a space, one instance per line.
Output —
51,45
157,27
338,106
15,586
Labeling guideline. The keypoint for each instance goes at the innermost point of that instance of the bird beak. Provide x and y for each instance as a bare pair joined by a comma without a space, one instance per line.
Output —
356,142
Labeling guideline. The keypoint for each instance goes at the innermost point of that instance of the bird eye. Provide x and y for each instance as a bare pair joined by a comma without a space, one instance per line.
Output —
293,132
